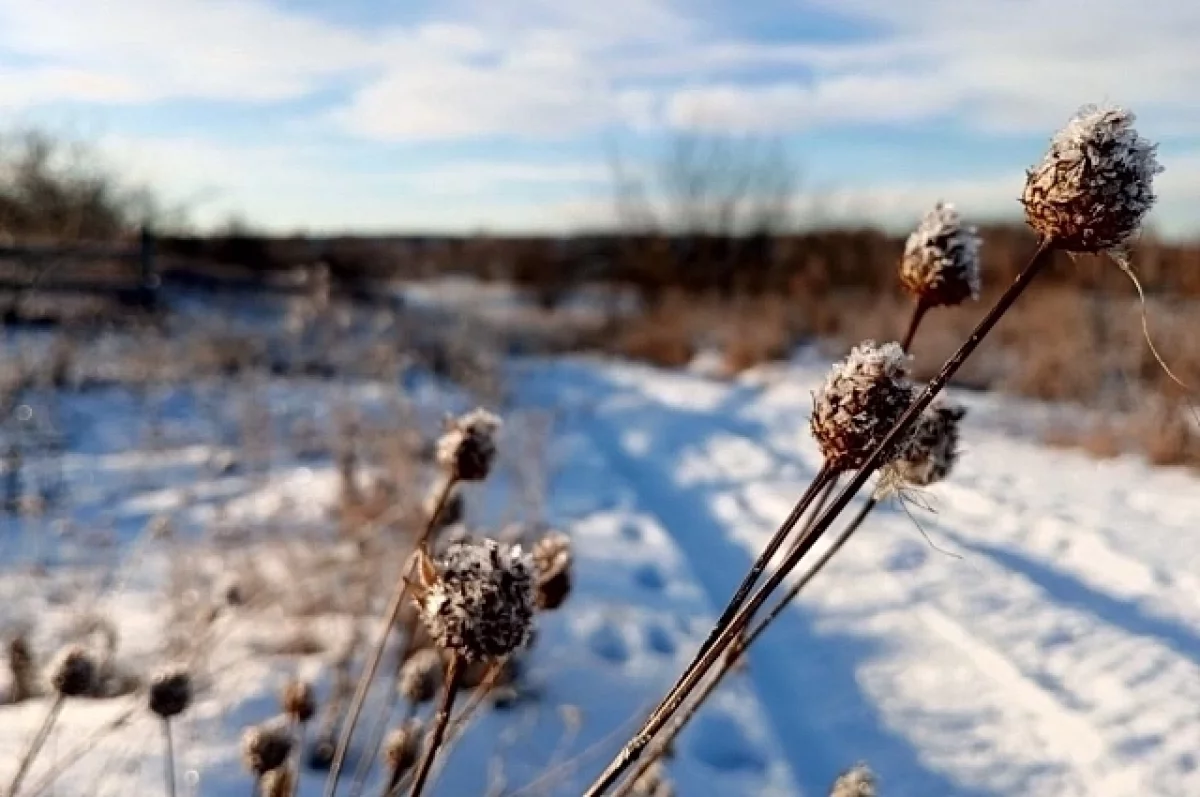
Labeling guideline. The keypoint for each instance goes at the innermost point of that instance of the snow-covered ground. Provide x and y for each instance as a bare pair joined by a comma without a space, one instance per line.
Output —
1037,634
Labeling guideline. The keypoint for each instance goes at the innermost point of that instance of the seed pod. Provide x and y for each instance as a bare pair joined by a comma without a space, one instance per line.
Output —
421,676
297,701
858,781
402,747
476,600
265,747
467,449
1094,186
860,402
73,672
552,566
170,692
932,449
941,259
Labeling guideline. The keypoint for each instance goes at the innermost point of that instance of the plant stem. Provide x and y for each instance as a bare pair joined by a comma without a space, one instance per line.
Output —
918,314
35,746
704,661
449,691
368,675
169,771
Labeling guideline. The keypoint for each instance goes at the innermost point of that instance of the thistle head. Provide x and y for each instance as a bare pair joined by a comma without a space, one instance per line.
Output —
73,672
297,701
552,569
402,747
476,599
941,259
858,781
266,747
932,448
467,448
1093,187
170,692
862,398
421,676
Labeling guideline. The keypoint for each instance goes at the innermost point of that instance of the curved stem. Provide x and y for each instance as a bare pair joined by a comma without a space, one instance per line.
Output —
918,314
688,682
35,746
368,675
449,691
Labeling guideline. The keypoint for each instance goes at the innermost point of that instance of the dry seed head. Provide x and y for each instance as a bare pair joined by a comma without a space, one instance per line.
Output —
421,676
858,781
170,692
552,566
22,668
278,783
1094,186
468,447
932,449
297,700
73,672
654,782
862,398
265,747
402,747
941,259
476,599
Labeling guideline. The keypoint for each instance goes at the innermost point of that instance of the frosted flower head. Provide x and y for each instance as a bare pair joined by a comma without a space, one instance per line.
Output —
297,701
467,448
552,568
941,259
170,692
402,747
476,599
862,398
265,747
421,676
1094,186
73,672
858,781
932,449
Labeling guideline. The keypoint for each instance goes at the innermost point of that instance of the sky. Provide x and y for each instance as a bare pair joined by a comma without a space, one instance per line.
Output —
507,115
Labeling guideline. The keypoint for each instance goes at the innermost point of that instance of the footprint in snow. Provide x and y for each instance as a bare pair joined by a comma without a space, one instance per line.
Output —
649,577
718,740
606,642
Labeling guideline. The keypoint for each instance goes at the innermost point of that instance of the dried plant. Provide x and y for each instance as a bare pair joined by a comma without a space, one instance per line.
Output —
552,566
858,781
401,749
169,695
940,266
22,669
420,677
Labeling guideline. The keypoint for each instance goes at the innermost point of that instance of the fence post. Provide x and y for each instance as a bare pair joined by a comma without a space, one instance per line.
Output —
146,261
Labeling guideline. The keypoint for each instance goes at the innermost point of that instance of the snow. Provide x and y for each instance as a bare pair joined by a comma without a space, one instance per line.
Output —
1044,639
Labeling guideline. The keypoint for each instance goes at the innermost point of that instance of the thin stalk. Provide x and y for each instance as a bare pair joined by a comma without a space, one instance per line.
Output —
449,692
169,764
918,314
393,611
256,786
300,729
704,661
81,750
35,746
824,476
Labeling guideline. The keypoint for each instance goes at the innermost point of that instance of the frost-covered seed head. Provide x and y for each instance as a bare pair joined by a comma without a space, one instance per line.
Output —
73,672
552,566
941,259
858,781
170,692
476,599
468,447
297,700
862,398
932,449
278,783
265,747
421,676
402,747
1094,186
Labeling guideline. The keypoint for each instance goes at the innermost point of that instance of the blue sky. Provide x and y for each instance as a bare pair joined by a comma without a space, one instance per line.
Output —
501,114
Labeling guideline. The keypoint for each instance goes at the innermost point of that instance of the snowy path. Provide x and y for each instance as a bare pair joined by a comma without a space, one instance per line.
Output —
1060,655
